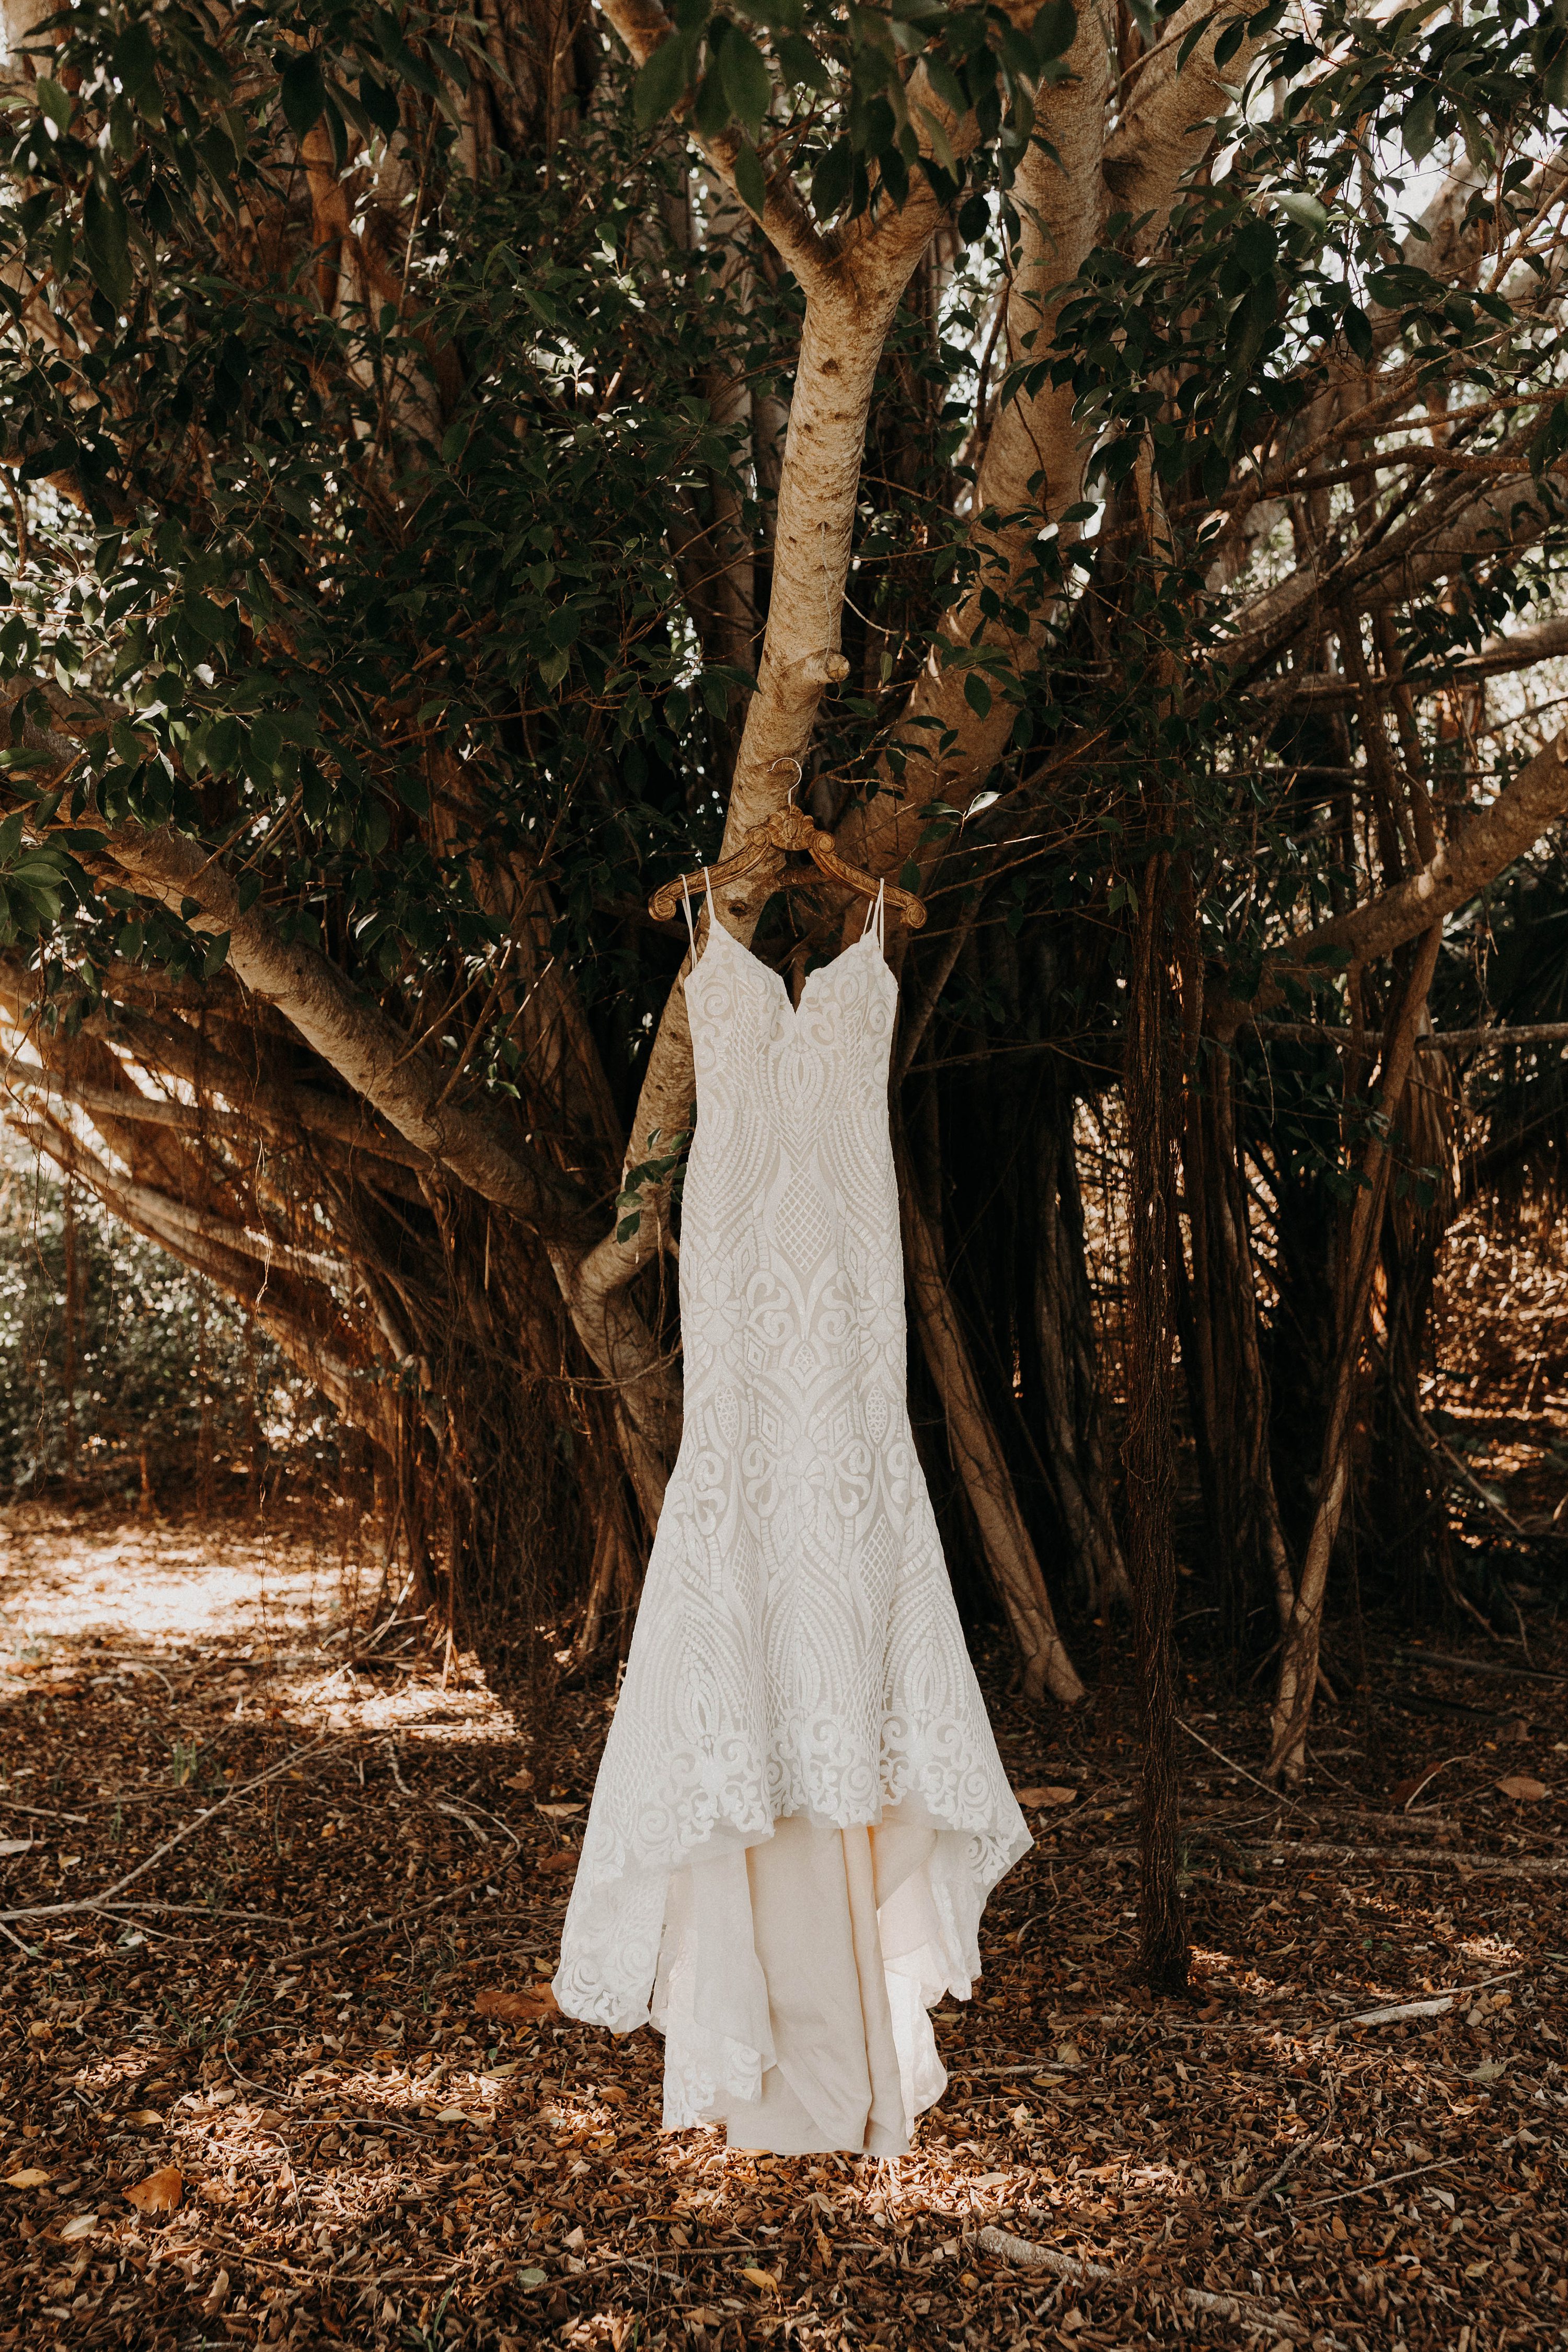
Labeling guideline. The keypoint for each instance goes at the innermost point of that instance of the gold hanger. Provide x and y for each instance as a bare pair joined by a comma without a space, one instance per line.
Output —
766,846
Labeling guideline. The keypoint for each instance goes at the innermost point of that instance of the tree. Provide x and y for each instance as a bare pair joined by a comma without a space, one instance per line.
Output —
465,469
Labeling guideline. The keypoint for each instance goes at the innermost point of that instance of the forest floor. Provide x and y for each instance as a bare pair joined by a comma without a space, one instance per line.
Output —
267,1883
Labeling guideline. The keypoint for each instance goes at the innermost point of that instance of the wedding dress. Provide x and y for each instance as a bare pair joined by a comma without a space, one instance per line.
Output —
801,1810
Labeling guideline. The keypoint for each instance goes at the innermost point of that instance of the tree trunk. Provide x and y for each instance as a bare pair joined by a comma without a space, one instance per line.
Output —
979,1459
1149,1452
1068,1417
1226,1384
1299,1666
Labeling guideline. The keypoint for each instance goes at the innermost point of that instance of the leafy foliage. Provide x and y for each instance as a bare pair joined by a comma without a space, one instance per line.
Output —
112,1357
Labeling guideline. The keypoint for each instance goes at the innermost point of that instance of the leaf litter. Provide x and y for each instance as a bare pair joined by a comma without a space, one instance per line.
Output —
304,2082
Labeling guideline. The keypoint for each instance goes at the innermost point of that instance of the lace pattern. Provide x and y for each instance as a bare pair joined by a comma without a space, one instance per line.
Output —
797,1647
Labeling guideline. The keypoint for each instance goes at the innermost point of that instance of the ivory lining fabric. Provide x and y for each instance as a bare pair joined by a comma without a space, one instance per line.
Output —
793,1986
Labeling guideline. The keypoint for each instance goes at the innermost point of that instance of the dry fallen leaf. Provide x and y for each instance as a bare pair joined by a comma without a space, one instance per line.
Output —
159,2193
518,2008
30,2178
216,2296
559,1812
1518,1784
144,2118
611,2096
567,1861
80,2225
574,2240
15,1845
1038,1798
522,1780
763,2279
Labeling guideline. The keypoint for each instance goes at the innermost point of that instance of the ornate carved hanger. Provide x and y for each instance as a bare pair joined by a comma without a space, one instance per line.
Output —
788,830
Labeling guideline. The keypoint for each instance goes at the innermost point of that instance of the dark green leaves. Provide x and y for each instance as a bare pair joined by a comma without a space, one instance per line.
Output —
135,63
832,180
1054,31
1419,127
304,92
665,79
750,180
105,240
748,84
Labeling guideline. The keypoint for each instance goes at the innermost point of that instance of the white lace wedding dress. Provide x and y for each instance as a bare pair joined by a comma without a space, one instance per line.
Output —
801,1810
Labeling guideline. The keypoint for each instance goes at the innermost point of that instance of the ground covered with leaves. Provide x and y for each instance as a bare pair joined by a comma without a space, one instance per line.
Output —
278,1886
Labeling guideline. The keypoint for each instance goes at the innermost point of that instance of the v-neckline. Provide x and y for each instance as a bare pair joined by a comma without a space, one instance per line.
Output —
866,939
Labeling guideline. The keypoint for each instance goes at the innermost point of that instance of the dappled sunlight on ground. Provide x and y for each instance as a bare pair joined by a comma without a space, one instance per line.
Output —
359,1849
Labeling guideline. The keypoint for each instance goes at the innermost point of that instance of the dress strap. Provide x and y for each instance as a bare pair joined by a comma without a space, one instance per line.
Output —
876,918
686,908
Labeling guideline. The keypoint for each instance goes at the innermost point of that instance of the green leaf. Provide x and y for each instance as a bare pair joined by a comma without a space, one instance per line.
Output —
304,92
1358,330
1229,41
1055,30
1305,210
217,955
379,103
663,82
135,62
55,101
977,694
748,84
750,180
831,181
1419,128
103,240
803,68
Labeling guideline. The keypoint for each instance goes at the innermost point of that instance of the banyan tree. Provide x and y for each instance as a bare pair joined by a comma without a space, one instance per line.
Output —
466,468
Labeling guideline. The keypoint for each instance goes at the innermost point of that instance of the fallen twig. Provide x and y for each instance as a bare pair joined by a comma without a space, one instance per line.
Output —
1488,1865
105,1896
1249,2310
1476,1666
1294,2158
1276,1795
1388,2180
1438,2006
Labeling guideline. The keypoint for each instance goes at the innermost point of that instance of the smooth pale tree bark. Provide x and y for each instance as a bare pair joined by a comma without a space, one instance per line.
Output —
1033,469
853,279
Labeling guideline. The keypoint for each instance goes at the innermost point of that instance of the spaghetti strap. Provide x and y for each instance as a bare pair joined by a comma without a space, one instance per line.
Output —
876,918
686,908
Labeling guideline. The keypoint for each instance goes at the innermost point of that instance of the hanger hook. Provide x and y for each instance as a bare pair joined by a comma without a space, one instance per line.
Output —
799,776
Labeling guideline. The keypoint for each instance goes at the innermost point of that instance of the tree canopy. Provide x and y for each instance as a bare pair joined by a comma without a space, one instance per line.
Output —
465,467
